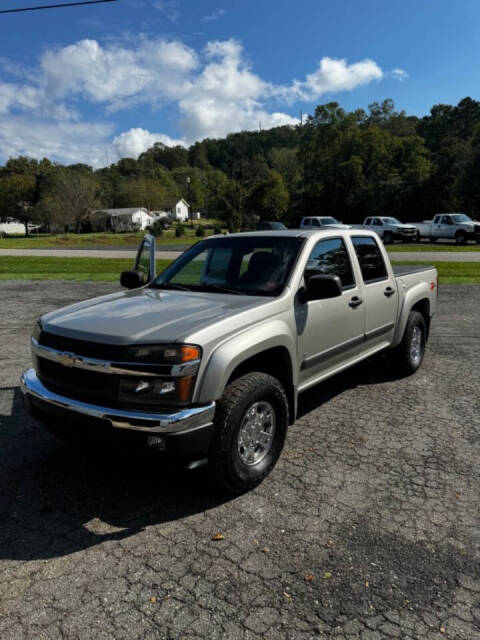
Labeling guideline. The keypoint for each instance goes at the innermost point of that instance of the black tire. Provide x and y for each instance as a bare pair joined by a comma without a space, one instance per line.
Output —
418,237
432,239
387,237
403,354
229,471
461,237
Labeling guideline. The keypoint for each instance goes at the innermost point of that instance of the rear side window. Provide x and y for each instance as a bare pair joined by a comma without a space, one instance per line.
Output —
330,257
306,222
370,258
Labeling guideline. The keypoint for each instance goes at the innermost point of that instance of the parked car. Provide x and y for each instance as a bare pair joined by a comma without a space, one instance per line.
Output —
445,226
315,222
265,225
207,359
390,229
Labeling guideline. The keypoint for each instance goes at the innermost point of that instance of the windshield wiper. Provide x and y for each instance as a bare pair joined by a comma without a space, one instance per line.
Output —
170,285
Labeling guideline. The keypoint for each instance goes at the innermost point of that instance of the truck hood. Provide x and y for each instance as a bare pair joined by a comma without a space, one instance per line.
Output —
145,316
337,225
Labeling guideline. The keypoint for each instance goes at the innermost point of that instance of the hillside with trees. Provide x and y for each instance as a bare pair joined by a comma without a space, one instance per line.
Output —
346,164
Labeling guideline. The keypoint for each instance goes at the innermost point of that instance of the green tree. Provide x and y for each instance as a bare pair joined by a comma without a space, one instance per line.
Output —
270,198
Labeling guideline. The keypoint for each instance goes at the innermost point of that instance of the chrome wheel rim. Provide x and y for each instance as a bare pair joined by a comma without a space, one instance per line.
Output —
256,433
416,345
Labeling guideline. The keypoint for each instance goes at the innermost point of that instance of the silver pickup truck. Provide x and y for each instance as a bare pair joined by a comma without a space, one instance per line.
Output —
207,359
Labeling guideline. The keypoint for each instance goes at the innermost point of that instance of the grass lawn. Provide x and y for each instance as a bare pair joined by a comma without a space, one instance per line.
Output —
40,268
453,272
79,240
33,268
433,246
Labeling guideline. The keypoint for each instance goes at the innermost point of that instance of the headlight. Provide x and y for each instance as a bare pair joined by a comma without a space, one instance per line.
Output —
156,391
164,354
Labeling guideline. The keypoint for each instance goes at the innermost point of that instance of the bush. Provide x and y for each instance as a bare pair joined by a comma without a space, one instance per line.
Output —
200,231
217,229
179,230
156,229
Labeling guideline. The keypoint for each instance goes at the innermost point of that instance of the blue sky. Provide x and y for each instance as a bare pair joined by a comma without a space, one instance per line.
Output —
100,82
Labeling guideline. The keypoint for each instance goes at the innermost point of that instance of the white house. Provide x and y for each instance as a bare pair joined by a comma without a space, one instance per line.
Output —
129,219
174,209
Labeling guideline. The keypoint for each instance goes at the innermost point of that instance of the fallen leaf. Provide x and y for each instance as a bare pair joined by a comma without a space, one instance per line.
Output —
366,583
266,549
153,599
218,536
308,578
287,595
442,629
327,575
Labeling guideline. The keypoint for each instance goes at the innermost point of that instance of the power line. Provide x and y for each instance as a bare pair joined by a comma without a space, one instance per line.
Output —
55,6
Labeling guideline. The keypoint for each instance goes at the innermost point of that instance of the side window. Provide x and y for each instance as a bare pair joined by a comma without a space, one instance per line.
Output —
315,222
368,221
370,258
447,220
306,222
330,257
378,222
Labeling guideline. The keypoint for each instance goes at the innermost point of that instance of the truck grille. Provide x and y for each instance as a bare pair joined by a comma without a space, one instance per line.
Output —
88,386
98,350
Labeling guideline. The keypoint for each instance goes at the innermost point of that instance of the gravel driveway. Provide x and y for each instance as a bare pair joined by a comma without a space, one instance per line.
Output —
368,527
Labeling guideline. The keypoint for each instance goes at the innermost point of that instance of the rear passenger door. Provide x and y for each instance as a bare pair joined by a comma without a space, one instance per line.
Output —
380,296
329,331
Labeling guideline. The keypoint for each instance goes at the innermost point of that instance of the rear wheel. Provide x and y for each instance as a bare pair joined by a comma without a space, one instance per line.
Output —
433,239
388,237
461,237
417,236
250,428
409,353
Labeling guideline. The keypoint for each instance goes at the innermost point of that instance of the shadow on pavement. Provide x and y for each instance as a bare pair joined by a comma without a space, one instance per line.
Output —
49,492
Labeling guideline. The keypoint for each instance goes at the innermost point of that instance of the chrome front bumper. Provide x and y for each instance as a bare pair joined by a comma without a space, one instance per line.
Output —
183,420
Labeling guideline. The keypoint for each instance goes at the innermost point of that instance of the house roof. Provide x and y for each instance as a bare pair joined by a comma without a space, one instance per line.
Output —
121,212
171,202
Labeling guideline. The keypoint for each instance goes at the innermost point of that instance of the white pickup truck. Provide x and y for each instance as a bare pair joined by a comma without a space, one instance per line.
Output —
390,229
449,226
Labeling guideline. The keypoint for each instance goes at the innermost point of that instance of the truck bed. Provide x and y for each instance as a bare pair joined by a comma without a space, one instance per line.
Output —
405,270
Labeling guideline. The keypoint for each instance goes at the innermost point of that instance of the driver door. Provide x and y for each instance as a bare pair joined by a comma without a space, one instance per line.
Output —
145,260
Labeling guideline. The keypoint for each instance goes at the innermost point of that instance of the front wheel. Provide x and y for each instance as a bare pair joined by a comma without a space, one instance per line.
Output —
388,237
250,428
461,237
409,353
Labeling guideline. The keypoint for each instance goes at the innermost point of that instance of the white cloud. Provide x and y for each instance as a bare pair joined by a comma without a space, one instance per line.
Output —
68,142
135,141
215,92
215,15
399,74
169,8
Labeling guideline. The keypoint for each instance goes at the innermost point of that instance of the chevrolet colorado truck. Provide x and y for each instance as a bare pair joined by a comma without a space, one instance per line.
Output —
449,226
208,358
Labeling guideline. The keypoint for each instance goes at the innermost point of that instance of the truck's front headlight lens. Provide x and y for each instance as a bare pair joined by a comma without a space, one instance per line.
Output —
164,354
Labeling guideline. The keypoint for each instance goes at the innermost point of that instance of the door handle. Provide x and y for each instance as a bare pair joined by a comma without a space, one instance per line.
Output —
355,302
389,291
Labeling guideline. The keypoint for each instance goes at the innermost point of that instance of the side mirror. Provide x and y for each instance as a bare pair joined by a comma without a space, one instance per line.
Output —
132,279
323,287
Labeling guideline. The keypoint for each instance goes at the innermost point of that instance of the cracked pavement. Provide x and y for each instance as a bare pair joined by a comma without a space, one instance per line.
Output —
367,528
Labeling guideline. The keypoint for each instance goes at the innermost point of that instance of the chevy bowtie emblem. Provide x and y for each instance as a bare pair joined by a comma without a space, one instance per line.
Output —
142,386
67,359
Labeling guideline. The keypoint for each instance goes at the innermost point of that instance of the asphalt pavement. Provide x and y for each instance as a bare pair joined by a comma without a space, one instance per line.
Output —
368,527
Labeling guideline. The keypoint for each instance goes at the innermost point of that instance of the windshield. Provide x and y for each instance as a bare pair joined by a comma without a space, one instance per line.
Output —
391,221
460,217
247,265
329,221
